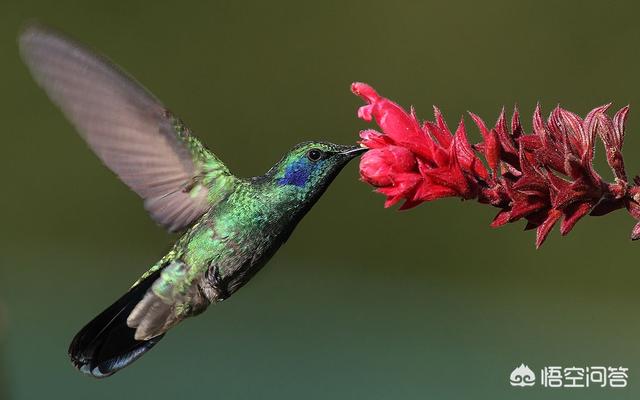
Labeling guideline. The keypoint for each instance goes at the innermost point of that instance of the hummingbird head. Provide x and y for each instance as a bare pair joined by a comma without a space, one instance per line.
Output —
308,168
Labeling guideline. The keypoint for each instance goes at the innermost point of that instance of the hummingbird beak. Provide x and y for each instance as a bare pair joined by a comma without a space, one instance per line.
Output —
353,151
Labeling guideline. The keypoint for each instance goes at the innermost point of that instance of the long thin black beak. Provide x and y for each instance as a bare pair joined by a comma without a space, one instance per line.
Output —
353,151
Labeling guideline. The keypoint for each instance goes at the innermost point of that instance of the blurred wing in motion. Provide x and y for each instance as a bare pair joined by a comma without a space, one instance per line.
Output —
128,128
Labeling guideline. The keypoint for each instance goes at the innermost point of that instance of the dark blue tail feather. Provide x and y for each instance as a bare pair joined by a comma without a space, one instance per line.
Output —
106,344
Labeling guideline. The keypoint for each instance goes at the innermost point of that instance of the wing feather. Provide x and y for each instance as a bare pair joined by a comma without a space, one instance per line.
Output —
125,125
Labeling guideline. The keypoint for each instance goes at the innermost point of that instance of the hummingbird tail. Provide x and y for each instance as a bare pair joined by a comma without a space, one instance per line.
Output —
107,344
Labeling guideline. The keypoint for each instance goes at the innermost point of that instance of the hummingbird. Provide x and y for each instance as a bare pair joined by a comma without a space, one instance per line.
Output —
230,226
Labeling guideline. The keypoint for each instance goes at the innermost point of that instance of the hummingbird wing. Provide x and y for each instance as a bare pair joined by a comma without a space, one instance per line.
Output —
149,149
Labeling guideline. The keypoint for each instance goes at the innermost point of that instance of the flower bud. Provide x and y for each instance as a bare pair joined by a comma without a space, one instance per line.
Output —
379,167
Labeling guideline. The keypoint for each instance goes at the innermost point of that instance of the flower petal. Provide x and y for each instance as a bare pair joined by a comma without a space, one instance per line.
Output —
545,228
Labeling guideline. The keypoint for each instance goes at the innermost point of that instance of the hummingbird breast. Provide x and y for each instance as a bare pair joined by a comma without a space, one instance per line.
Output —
235,239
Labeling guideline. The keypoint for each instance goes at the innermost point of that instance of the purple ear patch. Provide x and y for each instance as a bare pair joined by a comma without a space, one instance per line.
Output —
296,173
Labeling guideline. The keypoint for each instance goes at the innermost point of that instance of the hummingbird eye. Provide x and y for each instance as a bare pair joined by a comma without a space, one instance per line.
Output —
314,154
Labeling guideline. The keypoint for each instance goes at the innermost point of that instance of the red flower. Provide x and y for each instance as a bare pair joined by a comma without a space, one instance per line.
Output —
381,167
544,177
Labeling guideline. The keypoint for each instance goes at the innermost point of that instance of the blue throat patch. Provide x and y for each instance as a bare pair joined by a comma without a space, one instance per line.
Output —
297,174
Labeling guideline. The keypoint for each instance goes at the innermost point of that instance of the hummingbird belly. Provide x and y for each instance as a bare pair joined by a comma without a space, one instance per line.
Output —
231,244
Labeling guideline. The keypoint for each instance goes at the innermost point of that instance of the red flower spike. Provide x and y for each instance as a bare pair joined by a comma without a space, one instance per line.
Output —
543,177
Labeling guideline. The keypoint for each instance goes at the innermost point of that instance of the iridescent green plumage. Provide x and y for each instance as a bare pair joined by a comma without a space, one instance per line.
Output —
234,239
232,226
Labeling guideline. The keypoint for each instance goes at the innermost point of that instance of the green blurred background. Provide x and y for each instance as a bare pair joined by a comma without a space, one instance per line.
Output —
362,302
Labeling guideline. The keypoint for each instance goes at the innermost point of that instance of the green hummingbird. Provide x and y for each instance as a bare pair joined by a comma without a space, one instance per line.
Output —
231,226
